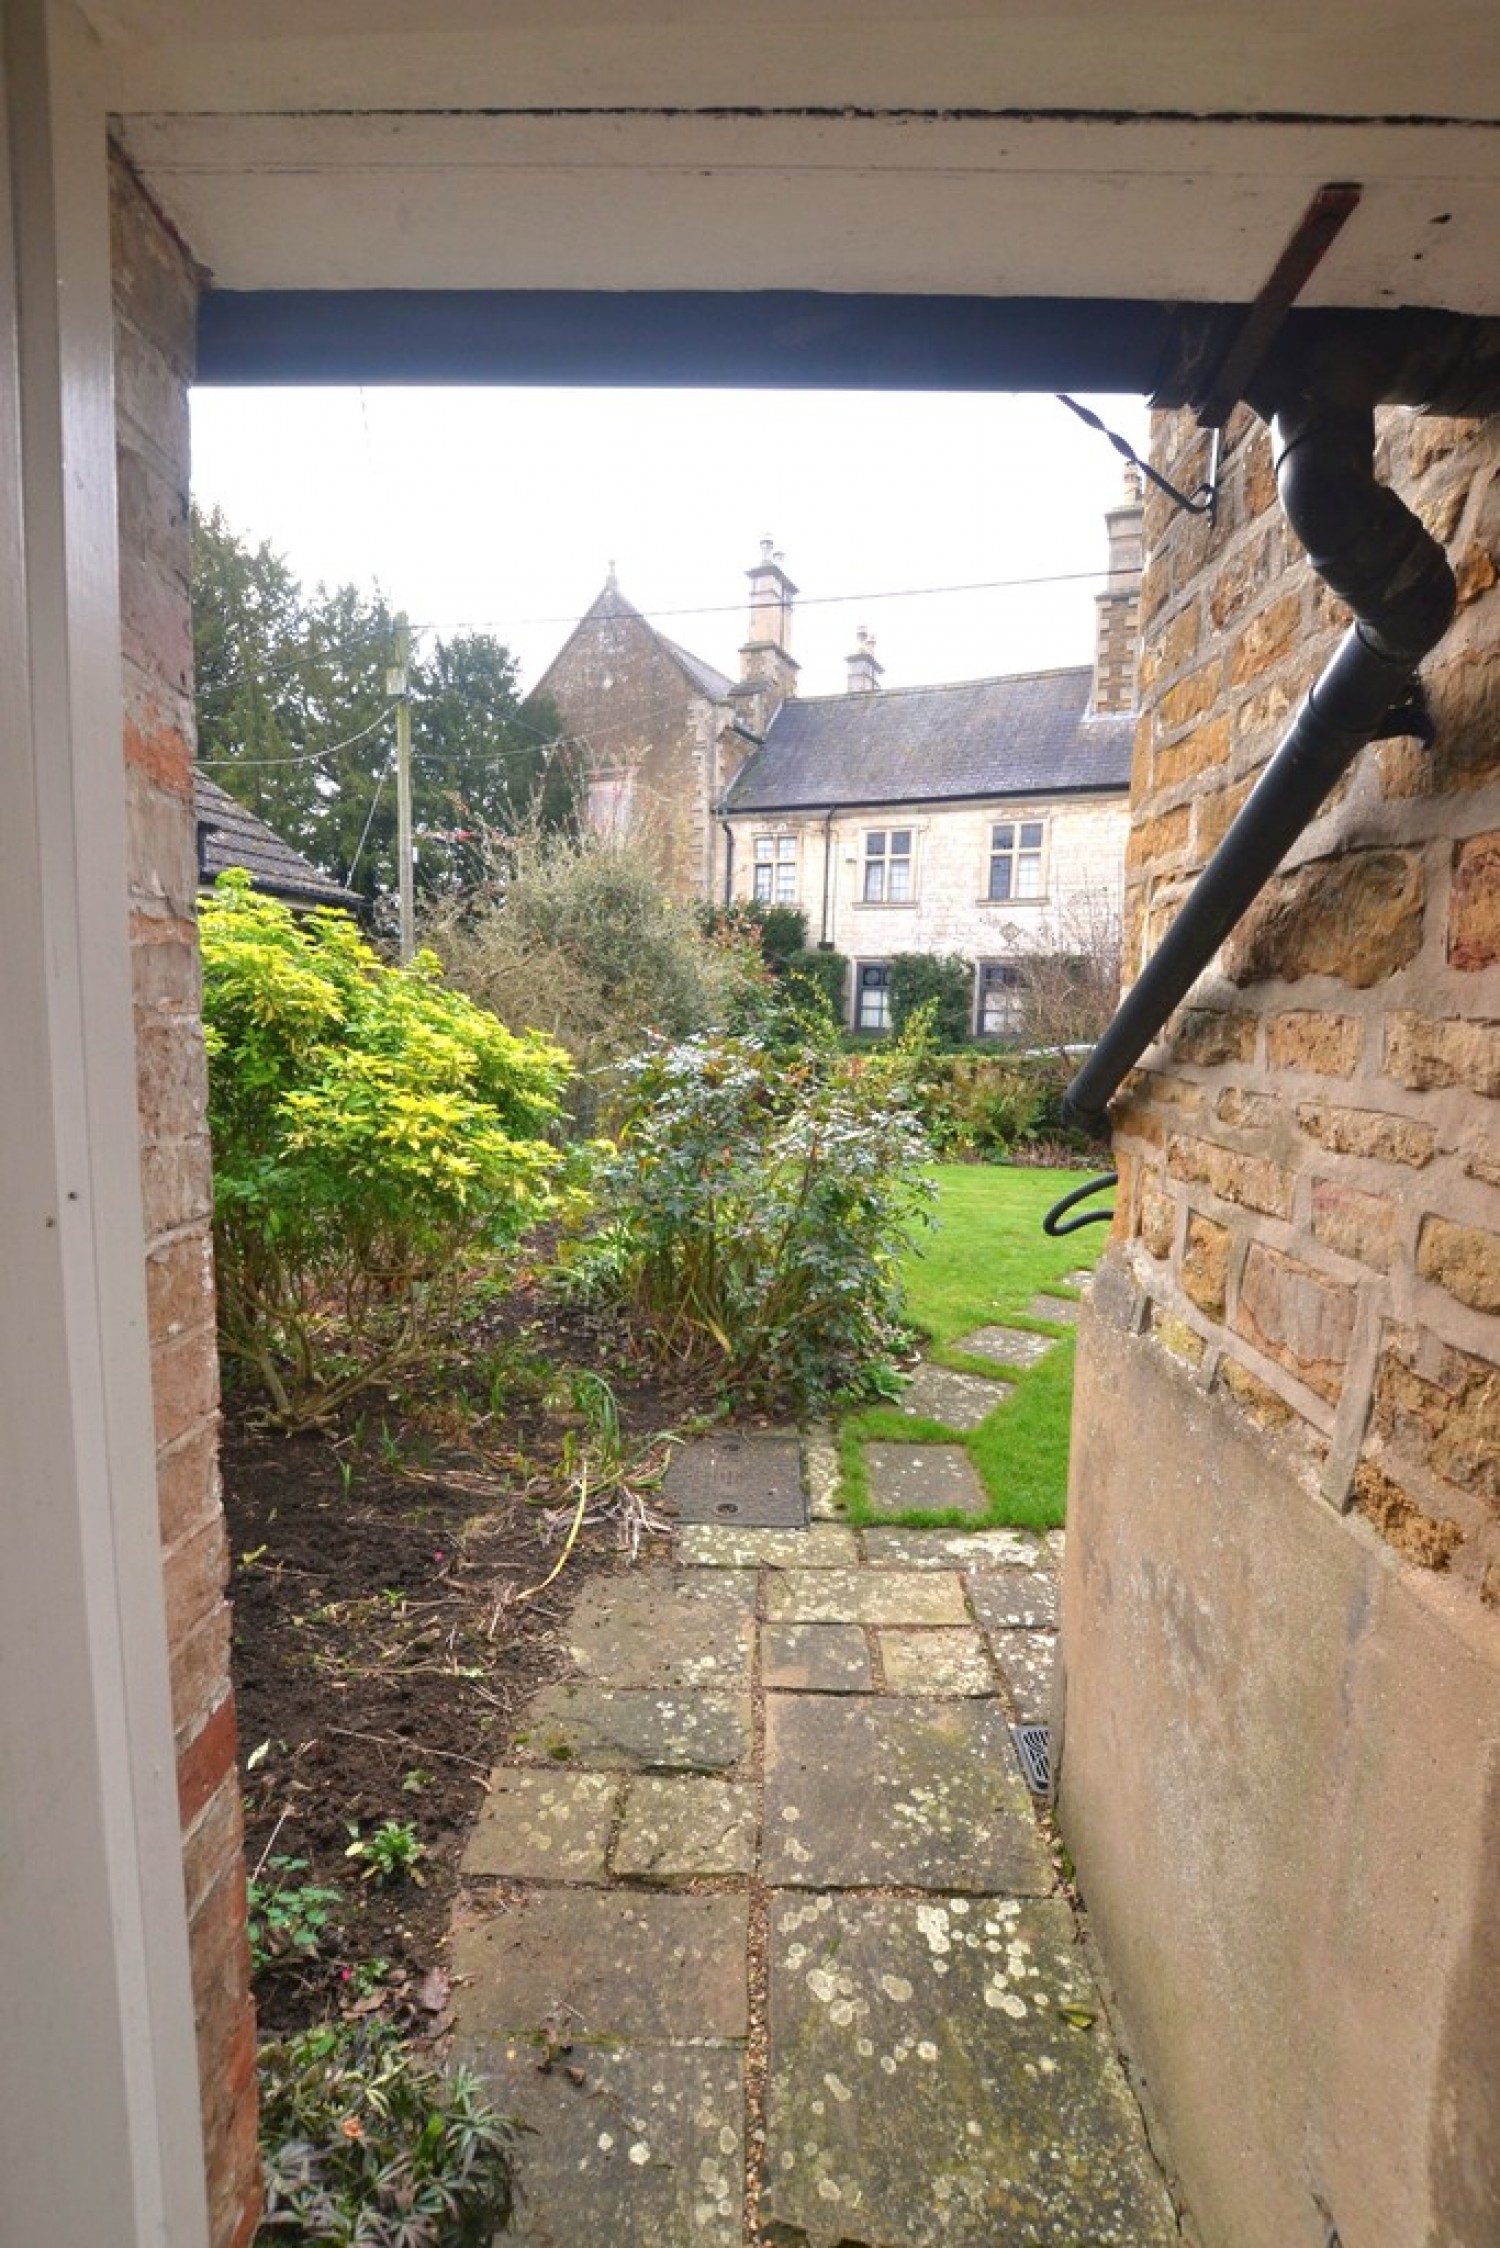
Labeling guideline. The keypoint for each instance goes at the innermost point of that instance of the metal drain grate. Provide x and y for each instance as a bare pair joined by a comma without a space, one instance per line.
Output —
1034,1749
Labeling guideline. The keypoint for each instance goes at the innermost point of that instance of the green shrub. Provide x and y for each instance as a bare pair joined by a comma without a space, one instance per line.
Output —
760,1200
365,2146
992,1104
375,1138
940,982
820,979
577,938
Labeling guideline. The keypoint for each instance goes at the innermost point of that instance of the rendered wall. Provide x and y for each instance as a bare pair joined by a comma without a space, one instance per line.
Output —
156,308
1281,1755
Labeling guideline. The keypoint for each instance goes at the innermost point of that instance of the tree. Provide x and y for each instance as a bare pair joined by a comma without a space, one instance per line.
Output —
295,719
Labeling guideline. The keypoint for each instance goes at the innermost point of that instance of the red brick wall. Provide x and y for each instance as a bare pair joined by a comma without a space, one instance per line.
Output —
155,316
1312,1159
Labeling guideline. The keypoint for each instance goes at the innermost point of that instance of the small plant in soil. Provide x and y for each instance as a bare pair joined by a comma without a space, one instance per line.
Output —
365,2146
288,1918
393,1852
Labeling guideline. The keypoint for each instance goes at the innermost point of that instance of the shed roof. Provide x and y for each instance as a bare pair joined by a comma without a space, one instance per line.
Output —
1029,734
230,836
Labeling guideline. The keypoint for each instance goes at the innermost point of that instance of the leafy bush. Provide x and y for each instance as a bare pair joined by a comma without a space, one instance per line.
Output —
375,1135
941,982
575,937
820,979
364,2146
760,1200
992,1104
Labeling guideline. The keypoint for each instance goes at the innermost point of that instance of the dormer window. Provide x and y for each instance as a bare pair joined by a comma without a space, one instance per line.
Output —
888,866
1016,859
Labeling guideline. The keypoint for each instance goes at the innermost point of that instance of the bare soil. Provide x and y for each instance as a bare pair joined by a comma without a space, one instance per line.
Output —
388,1626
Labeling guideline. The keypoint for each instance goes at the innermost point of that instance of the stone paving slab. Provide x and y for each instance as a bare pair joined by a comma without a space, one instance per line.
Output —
607,1964
744,1477
824,1474
878,1791
816,1658
926,2091
547,1826
1061,1310
578,1722
1007,1346
666,1628
937,1478
935,1662
646,2153
850,1596
1026,1660
962,1401
1016,1600
822,1545
905,1548
676,1828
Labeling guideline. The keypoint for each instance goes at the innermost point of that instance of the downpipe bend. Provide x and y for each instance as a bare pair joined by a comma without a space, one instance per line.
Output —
1374,553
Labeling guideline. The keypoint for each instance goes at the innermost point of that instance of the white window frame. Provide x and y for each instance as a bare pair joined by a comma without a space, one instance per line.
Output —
773,874
1021,859
1008,976
892,869
882,969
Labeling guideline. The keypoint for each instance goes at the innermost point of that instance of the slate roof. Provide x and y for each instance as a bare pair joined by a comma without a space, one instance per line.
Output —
1025,735
229,836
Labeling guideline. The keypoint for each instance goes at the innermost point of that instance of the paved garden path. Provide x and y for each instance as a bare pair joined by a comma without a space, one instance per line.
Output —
760,1935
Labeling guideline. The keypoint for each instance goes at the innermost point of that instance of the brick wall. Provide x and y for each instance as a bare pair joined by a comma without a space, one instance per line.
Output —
155,306
1312,1158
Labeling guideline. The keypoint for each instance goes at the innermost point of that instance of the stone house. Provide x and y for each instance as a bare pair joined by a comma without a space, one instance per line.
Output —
986,818
1280,1745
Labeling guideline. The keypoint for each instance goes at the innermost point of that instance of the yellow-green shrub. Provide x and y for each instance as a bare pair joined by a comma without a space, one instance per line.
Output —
377,1138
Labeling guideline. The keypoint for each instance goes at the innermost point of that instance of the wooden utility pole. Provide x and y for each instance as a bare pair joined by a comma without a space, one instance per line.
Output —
398,686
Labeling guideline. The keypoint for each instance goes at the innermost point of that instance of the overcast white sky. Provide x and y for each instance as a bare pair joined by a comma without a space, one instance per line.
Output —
503,509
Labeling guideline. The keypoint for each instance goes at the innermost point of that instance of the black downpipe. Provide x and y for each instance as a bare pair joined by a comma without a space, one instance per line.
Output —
728,863
1369,547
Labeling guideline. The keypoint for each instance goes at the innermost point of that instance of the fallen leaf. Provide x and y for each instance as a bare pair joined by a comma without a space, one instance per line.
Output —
434,1990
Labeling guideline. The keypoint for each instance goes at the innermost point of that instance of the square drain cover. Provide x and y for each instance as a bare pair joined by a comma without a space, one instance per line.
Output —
743,1482
1034,1748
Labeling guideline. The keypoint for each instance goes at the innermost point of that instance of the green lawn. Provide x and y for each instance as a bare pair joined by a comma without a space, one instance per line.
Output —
982,1262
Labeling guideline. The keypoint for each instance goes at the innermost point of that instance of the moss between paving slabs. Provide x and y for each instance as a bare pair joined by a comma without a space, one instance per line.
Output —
987,1257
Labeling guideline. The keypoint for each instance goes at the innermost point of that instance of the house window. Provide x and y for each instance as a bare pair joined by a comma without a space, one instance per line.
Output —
1002,999
1016,859
872,997
611,802
776,869
888,866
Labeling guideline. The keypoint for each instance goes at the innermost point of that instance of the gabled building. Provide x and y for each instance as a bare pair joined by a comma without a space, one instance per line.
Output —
986,818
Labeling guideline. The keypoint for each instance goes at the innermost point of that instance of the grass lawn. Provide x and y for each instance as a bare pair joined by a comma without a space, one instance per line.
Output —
982,1262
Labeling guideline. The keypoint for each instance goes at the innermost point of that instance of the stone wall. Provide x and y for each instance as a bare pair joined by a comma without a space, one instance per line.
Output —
156,311
1313,1157
633,714
1281,1629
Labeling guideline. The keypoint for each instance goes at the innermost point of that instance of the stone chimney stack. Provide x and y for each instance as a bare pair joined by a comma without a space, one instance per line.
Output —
864,671
768,669
1119,605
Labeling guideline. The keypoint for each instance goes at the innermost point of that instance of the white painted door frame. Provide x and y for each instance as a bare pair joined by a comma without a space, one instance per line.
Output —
100,2137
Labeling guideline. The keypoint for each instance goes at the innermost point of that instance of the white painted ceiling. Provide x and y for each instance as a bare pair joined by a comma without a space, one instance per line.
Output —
1063,147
